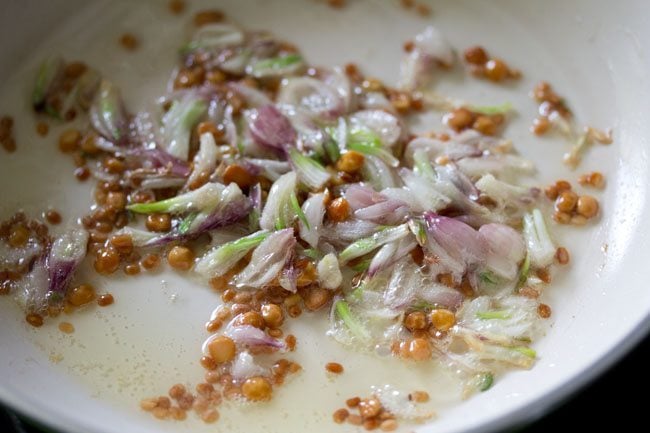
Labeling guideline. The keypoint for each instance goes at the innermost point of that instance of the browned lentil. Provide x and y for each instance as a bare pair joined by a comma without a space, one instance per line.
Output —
34,319
257,389
208,363
82,173
122,243
239,175
419,349
401,101
316,298
158,222
544,275
334,367
340,415
350,162
594,179
69,140
215,77
485,125
294,311
81,295
336,3
562,217
252,318
129,42
338,210
42,128
419,396
53,217
551,192
562,255
540,125
459,119
210,416
353,402
272,315
529,292
74,69
423,9
475,55
150,261
388,425
587,206
148,404
544,311
208,16
369,408
9,144
18,236
415,320
114,165
132,269
116,200
66,327
228,295
355,419
105,300
107,261
177,7
177,413
566,201
222,349
291,342
180,258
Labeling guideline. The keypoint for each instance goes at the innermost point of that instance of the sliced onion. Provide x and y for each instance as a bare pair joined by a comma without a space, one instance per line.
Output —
506,249
461,241
310,134
254,98
431,42
66,253
378,173
329,273
244,366
338,80
314,210
390,253
407,284
424,191
289,276
272,130
162,182
388,212
158,158
107,113
269,168
386,126
214,37
450,173
278,204
348,231
315,97
431,49
376,101
499,165
268,260
205,160
249,336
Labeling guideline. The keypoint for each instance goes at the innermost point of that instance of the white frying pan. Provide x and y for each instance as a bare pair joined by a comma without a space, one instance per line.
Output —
594,52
